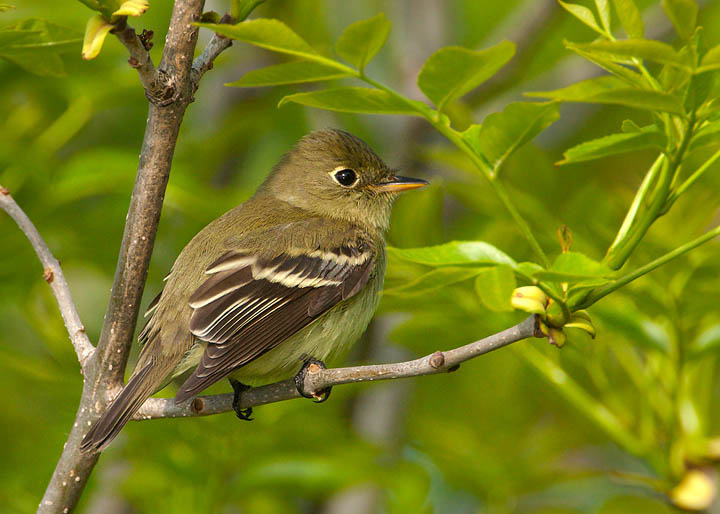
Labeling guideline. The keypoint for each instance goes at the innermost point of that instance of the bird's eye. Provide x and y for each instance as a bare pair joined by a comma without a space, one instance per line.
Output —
345,177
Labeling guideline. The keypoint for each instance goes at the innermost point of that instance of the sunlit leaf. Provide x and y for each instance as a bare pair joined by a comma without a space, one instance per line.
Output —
575,267
707,341
646,137
682,14
288,73
96,30
453,71
603,7
267,33
115,8
352,99
625,49
583,14
495,286
502,133
434,279
454,253
630,18
360,41
711,60
612,90
608,64
35,45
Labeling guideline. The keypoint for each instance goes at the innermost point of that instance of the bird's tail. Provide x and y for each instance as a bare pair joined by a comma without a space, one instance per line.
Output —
133,395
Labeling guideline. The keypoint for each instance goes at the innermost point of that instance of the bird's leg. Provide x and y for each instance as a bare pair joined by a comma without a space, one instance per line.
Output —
239,388
319,396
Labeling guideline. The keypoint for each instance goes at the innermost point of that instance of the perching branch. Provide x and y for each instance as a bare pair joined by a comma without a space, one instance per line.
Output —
318,379
53,275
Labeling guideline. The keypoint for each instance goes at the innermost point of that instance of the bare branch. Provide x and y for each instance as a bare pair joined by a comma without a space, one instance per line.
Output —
139,48
215,47
318,379
106,368
53,275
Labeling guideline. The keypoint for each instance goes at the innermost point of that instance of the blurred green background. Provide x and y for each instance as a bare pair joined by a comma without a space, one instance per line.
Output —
493,437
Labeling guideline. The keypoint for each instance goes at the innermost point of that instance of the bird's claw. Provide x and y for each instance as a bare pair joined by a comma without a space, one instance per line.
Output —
316,396
239,388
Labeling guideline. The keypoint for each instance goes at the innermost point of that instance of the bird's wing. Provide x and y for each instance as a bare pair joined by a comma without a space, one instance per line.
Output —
250,303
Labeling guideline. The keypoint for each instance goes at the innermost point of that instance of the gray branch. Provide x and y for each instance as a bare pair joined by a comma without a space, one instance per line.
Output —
105,369
204,62
53,275
139,47
318,379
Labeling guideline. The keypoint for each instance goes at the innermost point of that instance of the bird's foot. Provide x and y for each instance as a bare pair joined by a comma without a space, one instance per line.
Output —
239,388
311,364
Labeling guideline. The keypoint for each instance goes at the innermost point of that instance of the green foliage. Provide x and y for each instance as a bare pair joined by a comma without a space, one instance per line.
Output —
35,45
467,68
362,40
640,399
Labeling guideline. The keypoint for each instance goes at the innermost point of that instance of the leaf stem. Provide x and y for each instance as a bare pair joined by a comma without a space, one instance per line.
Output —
692,178
603,291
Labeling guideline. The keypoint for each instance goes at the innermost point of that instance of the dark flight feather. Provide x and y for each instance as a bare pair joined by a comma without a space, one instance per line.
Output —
250,304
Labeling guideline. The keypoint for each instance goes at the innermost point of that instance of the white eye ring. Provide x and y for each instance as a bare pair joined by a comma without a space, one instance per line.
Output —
344,176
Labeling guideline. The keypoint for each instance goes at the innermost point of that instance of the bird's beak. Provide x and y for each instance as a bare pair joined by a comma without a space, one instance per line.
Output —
397,184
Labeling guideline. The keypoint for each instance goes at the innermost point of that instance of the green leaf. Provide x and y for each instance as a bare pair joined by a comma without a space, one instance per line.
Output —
528,269
603,8
575,267
495,286
353,99
583,14
624,318
453,254
35,45
270,34
709,134
435,279
453,71
711,60
295,72
683,15
6,7
360,41
707,341
502,133
606,63
612,90
630,18
646,137
113,8
624,50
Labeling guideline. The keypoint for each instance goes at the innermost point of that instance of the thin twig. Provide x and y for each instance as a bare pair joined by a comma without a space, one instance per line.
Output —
215,47
53,275
139,55
318,379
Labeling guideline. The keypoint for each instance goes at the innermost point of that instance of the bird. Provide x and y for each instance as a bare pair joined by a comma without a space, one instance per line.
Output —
288,278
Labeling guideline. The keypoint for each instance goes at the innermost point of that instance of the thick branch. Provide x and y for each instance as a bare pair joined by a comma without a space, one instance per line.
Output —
318,379
53,275
106,368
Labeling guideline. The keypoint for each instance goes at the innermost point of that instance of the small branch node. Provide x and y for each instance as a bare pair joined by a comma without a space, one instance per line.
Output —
198,405
48,275
4,191
437,360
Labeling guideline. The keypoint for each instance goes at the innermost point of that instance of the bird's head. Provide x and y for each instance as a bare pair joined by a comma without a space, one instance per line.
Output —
335,174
